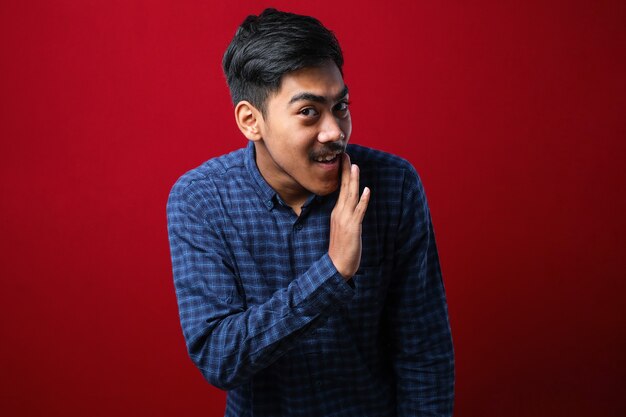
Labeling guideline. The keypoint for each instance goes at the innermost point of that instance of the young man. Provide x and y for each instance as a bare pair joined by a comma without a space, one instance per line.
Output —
302,292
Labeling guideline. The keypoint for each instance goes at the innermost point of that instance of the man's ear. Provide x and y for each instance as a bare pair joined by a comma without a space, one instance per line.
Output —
249,120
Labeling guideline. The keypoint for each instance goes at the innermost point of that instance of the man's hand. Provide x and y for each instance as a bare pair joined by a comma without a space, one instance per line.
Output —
345,221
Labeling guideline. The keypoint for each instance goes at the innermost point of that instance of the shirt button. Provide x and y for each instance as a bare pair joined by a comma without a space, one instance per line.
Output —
299,226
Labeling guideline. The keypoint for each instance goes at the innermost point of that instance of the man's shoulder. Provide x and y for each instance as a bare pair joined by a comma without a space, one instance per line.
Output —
374,162
212,172
201,185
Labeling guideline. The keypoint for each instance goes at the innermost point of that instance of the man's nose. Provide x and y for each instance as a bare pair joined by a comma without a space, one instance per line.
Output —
331,131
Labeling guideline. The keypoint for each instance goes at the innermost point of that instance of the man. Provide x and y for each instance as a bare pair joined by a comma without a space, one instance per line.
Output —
302,292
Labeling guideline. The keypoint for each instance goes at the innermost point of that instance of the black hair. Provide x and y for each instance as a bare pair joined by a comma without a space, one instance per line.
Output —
267,46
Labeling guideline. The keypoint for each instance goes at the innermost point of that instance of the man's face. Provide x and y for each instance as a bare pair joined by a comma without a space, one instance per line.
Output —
305,129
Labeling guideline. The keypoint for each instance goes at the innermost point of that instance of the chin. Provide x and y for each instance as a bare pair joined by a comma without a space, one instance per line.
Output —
326,190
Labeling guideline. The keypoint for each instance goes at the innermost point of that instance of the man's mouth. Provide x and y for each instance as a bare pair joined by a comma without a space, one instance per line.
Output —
328,158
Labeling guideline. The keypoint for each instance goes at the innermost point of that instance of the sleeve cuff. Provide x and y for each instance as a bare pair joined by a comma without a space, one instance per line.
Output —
322,285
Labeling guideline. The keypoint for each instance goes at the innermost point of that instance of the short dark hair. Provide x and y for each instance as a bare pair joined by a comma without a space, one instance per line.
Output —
267,46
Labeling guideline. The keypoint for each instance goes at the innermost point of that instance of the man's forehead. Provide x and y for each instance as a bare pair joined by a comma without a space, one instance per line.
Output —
313,83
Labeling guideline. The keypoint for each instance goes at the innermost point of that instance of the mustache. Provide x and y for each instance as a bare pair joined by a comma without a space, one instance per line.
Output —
329,148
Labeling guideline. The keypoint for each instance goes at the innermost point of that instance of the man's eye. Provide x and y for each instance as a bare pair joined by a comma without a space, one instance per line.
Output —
309,112
342,107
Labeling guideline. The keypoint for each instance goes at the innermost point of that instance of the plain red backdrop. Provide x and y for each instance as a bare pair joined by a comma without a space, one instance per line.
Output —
513,113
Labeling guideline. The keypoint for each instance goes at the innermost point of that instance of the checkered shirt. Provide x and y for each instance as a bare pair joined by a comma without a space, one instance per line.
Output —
266,315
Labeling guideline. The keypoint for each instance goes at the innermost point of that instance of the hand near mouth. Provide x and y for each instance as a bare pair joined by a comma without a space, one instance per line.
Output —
346,220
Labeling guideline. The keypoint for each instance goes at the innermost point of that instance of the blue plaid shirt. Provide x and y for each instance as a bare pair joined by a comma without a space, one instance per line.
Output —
267,316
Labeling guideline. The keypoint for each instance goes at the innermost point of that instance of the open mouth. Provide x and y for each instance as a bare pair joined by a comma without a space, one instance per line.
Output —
328,158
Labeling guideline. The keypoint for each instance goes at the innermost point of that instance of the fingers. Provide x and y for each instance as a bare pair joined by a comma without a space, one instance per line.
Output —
361,207
345,175
353,187
349,182
349,192
346,221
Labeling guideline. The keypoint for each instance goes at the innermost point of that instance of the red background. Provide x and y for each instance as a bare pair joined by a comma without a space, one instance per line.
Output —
513,113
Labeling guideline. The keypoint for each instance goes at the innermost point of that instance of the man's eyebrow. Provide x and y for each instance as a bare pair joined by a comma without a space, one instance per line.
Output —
318,99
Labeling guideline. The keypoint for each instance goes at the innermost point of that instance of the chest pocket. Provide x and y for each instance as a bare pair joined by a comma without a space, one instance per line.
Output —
371,290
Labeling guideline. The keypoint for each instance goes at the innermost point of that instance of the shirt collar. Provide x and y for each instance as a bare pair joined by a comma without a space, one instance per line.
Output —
267,193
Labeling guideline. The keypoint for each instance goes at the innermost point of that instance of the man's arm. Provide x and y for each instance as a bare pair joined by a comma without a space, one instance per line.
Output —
423,357
227,340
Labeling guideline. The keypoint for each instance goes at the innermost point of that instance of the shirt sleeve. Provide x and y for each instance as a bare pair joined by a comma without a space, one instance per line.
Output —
228,340
422,350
